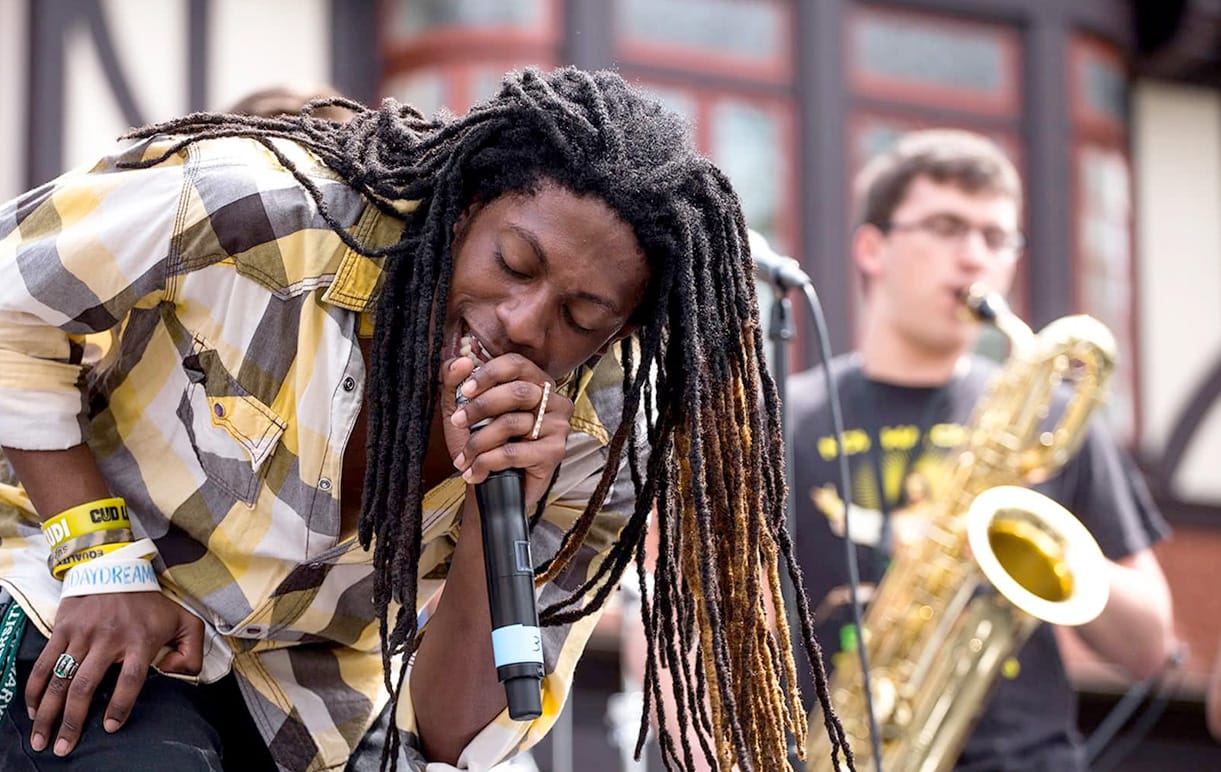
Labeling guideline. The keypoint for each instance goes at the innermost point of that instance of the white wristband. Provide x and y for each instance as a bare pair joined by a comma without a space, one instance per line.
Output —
128,569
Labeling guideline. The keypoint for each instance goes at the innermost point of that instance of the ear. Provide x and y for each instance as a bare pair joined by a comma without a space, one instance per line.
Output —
626,331
464,219
867,246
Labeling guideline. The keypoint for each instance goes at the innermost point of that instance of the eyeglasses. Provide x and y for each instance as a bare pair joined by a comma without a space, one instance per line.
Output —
952,228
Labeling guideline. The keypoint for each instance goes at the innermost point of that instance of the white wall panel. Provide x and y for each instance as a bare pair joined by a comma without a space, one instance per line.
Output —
151,39
13,58
269,42
1177,156
93,119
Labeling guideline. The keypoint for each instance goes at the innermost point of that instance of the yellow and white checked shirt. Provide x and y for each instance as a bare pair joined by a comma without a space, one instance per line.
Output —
197,324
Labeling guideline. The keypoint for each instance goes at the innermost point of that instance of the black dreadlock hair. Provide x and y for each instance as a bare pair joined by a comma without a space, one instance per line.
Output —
712,451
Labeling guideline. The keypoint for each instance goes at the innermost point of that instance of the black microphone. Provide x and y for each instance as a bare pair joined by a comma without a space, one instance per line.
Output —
517,646
779,271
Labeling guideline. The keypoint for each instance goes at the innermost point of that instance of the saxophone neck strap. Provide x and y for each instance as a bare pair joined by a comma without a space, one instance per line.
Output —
869,408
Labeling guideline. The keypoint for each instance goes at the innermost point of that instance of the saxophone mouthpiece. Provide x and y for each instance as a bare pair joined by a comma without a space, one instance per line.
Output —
984,304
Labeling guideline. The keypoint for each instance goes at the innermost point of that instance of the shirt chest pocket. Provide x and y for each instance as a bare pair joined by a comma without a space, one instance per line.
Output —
232,432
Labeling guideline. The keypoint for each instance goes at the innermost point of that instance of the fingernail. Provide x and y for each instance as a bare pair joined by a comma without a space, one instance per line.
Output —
459,461
61,747
33,713
111,724
37,741
458,418
468,387
468,474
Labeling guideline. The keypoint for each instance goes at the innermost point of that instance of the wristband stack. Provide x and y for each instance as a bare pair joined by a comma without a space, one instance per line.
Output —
93,550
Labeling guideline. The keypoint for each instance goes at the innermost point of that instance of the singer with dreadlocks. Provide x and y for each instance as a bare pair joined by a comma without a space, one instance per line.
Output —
229,358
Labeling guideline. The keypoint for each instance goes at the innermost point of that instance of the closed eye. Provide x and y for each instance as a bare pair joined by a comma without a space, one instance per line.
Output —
577,327
508,269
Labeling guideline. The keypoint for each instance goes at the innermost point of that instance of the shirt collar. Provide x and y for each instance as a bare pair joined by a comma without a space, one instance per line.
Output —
358,279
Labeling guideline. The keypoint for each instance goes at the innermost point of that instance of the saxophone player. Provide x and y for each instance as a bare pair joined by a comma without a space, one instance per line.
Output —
938,213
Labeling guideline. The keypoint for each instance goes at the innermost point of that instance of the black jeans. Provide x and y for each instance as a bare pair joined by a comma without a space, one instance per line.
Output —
173,726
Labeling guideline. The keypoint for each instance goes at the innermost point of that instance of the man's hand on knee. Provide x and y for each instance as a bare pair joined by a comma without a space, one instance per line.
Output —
92,633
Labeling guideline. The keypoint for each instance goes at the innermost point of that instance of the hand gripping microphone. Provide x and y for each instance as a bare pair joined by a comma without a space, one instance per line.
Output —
517,646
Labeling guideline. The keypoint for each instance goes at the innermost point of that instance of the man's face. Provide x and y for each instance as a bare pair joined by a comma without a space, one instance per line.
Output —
552,276
937,245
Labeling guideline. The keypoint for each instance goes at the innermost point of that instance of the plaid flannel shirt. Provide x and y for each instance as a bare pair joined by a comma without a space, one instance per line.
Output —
197,324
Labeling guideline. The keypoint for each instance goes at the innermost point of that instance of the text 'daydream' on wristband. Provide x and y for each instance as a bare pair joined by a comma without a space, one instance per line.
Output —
129,569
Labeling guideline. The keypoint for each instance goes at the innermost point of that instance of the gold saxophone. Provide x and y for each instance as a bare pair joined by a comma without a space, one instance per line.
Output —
996,559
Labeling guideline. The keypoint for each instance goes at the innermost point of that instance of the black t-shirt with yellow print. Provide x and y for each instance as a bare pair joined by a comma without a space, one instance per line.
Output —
1029,722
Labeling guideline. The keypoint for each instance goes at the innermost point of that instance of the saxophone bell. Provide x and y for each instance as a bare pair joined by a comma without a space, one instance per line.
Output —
1037,555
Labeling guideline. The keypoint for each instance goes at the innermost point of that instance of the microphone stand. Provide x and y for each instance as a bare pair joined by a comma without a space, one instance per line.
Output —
782,274
780,331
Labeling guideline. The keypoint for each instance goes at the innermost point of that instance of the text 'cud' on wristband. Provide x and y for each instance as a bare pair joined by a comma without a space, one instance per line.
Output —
99,515
129,569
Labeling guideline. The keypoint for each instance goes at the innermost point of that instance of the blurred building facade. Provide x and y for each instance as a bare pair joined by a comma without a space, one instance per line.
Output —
1111,107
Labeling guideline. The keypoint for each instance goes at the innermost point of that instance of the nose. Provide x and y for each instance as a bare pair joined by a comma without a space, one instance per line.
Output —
525,315
973,251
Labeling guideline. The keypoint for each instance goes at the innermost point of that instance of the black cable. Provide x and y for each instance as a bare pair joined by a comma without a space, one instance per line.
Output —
1096,744
854,579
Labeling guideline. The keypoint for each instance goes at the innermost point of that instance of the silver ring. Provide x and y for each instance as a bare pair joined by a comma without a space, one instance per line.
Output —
65,666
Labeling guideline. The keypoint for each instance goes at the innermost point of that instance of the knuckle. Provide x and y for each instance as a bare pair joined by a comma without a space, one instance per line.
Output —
524,391
130,679
57,687
81,686
69,727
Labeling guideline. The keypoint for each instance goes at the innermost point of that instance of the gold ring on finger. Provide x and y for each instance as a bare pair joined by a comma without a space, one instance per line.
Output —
542,408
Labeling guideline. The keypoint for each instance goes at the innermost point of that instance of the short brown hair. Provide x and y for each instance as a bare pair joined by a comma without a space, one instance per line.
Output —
964,159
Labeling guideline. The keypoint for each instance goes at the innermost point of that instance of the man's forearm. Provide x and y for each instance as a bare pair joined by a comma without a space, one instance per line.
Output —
58,479
454,687
1135,630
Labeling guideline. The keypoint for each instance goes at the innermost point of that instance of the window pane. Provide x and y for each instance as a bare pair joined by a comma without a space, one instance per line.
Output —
925,53
926,59
746,143
1105,89
1105,263
745,28
412,17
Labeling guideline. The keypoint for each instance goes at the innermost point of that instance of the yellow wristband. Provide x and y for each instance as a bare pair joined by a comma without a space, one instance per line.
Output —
84,556
100,515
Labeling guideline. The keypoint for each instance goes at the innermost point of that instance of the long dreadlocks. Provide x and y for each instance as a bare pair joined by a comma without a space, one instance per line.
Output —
712,449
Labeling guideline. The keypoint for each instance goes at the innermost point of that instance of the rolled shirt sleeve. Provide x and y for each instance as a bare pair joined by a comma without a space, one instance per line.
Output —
75,255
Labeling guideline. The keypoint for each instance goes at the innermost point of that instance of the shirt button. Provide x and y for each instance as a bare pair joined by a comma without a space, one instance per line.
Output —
349,383
219,409
255,630
325,484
